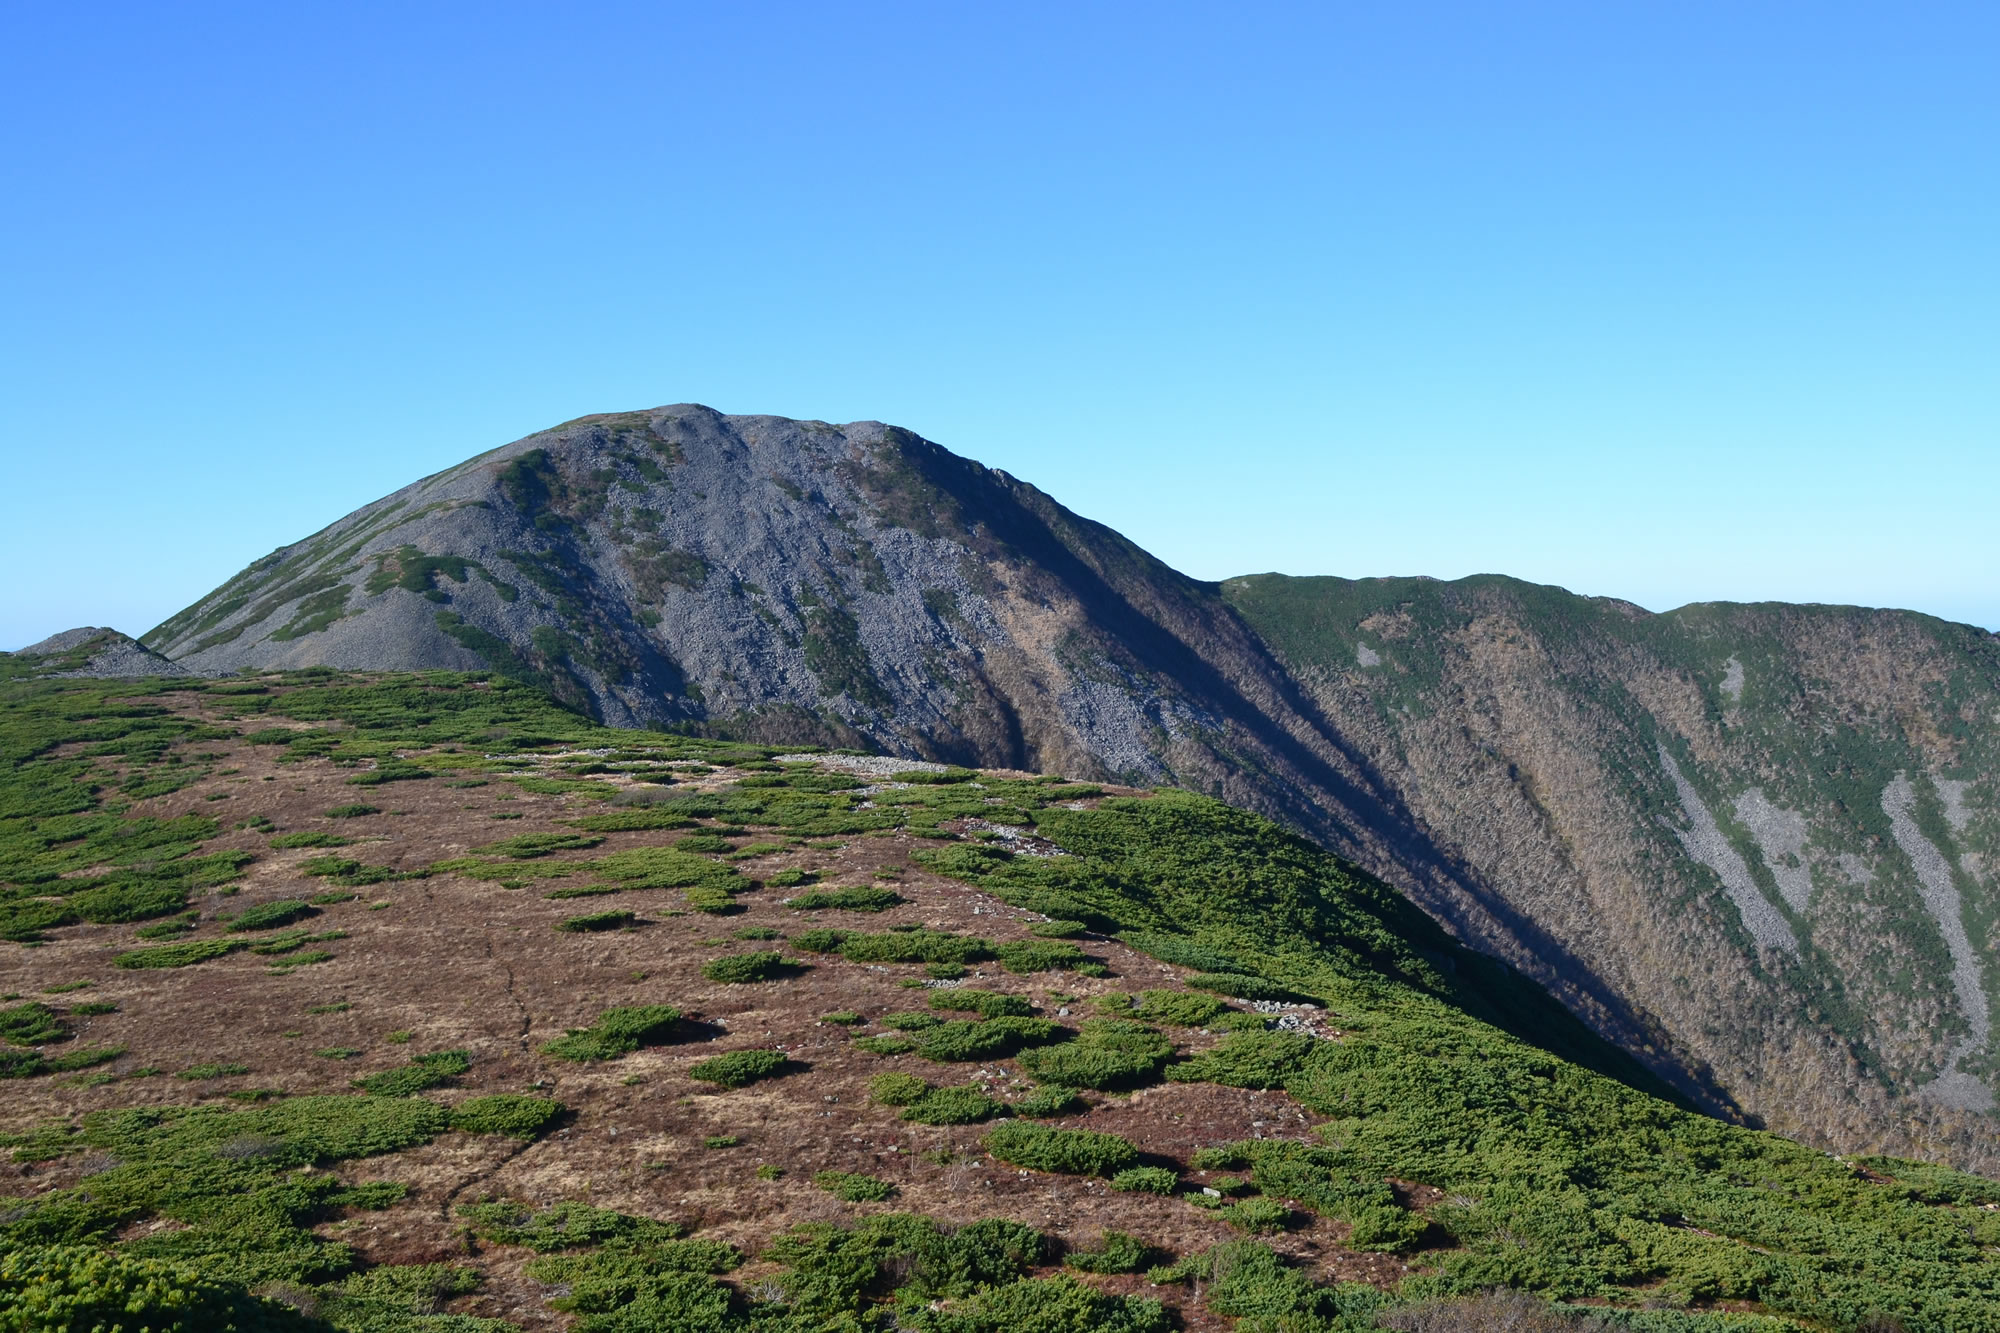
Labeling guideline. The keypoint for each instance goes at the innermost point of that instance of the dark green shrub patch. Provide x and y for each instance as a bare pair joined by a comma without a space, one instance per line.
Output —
616,919
1247,1060
1044,1103
341,870
1058,929
515,1116
1146,1180
31,1024
425,1071
960,1040
845,1018
83,1287
910,1021
855,898
354,811
738,1068
1058,1303
967,1105
213,1070
1244,987
896,946
704,842
1116,1252
529,846
271,915
185,954
564,1226
985,1003
744,968
1108,1054
885,1045
289,840
710,885
849,1187
897,1089
184,924
618,1032
631,821
389,771
1040,956
1073,1152
1187,1009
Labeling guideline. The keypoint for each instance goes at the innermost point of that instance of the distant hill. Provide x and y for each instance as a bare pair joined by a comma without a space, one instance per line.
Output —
1750,844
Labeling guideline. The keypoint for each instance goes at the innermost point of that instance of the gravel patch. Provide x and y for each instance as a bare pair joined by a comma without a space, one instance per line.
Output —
1704,841
1940,897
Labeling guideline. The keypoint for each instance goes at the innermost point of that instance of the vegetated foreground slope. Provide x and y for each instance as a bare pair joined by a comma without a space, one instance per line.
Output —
405,1002
1772,826
1748,844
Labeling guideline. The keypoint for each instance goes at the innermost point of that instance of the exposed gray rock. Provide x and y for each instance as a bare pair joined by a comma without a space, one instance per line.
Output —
1704,841
93,651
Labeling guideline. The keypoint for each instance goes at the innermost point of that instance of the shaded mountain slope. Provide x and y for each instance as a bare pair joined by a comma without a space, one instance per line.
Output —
1772,826
394,1004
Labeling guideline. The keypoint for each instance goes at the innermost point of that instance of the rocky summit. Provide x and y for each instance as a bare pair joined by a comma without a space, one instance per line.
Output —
1751,845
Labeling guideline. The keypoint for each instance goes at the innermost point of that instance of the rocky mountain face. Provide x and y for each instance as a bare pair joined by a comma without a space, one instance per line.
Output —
1771,828
1744,842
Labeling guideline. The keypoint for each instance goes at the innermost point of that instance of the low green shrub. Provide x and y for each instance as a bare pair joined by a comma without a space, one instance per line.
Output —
960,1040
617,1033
1073,1152
185,954
615,919
31,1024
529,846
515,1116
856,898
965,1105
1247,1060
739,1068
1043,1103
885,1045
1108,1054
288,840
212,1070
1258,1216
745,968
1056,1304
1186,1009
985,1003
1039,956
850,1187
1146,1180
354,811
845,1018
271,915
1058,930
1245,987
896,1089
944,971
341,870
910,1021
49,1289
184,924
1117,1252
424,1071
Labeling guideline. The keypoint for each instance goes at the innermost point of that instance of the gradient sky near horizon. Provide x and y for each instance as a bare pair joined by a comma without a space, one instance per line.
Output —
1672,302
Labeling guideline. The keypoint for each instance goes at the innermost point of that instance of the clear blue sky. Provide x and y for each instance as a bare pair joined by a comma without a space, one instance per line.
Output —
1672,301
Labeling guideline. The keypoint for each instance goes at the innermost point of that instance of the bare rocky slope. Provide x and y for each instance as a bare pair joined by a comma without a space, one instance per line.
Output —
1744,842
